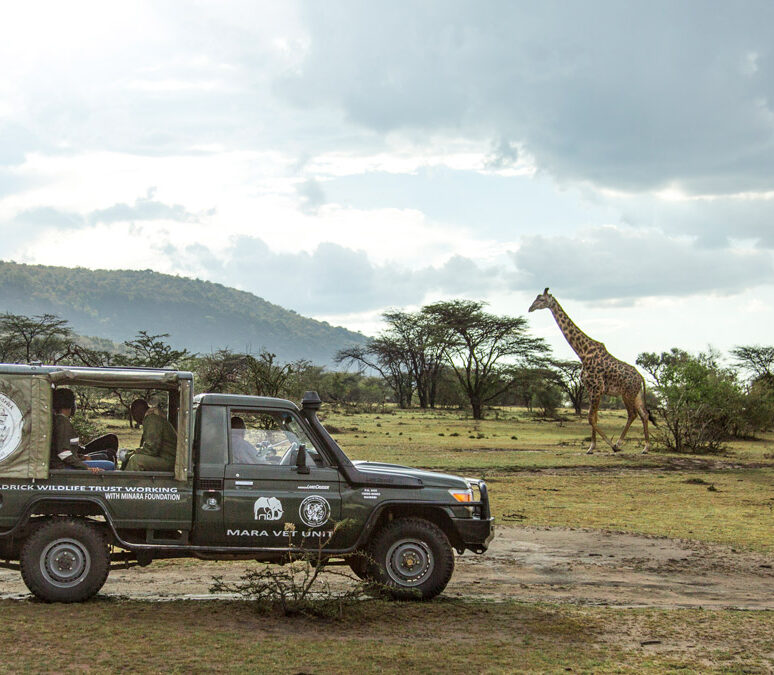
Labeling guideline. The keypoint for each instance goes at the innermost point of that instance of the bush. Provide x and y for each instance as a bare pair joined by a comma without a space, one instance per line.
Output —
547,398
303,584
702,404
88,428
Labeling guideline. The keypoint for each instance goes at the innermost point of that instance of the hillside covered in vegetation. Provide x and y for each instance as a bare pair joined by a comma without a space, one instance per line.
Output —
198,315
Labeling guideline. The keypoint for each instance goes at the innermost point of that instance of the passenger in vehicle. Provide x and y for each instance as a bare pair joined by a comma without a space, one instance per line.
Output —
66,450
158,446
242,451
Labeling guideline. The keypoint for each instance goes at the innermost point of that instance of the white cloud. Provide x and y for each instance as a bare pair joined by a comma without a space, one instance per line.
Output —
394,153
611,263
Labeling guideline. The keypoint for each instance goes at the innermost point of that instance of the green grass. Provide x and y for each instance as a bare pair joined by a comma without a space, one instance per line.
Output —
544,477
739,510
539,473
514,439
444,636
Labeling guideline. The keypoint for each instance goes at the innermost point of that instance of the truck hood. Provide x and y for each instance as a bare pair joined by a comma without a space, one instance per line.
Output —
428,478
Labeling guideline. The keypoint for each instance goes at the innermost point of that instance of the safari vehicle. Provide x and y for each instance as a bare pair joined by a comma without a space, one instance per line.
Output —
64,529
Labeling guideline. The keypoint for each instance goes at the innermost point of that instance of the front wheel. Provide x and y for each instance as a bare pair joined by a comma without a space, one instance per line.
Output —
65,561
412,558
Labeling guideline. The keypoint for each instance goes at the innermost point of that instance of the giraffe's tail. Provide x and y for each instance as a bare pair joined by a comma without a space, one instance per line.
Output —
651,419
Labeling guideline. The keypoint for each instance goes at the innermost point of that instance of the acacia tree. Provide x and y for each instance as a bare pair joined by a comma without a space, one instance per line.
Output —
386,356
45,338
152,351
758,362
567,374
423,344
478,342
755,359
265,376
220,371
147,351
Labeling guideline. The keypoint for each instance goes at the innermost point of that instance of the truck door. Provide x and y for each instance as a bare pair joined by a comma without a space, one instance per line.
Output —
268,501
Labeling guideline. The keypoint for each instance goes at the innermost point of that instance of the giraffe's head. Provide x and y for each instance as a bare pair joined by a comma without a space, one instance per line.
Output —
542,301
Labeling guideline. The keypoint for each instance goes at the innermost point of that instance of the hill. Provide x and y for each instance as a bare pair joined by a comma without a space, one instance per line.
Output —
199,315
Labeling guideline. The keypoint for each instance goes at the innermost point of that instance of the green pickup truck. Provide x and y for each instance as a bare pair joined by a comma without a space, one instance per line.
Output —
254,478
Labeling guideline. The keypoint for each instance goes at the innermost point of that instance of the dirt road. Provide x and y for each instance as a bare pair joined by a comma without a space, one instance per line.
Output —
559,565
553,565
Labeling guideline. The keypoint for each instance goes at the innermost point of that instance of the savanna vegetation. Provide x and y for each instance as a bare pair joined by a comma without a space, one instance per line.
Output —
458,397
449,636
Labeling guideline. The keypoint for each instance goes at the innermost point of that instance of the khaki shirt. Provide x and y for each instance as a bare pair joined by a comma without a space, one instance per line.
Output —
159,438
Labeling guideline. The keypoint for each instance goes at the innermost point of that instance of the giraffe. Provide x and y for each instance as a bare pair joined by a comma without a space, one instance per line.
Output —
602,374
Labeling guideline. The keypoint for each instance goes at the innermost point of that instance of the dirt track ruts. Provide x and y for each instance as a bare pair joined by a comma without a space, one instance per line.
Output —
530,564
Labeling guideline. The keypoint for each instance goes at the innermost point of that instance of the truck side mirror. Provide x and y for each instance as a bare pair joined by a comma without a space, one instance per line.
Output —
301,466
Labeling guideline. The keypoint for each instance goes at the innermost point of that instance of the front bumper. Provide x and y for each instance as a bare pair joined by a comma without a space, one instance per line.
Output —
476,533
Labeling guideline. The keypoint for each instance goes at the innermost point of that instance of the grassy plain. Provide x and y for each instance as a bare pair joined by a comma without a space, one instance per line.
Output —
448,636
539,473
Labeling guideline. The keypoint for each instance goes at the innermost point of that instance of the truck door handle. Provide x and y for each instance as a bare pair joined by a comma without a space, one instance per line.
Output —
243,482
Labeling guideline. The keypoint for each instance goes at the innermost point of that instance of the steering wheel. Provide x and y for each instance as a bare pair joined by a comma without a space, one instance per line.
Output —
290,454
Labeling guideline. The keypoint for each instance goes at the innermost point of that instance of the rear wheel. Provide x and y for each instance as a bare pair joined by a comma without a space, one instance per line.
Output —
412,558
65,560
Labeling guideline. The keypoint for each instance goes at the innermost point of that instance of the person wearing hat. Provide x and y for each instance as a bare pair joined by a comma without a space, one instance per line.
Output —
158,446
66,451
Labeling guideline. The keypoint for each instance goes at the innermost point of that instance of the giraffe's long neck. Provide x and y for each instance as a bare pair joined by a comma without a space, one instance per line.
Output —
578,340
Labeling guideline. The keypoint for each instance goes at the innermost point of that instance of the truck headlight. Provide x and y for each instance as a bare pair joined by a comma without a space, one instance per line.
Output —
464,496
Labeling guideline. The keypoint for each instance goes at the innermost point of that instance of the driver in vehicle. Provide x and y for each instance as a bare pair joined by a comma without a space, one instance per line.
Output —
242,451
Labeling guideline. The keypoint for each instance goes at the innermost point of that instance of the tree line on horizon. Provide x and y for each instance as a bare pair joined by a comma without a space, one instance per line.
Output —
450,354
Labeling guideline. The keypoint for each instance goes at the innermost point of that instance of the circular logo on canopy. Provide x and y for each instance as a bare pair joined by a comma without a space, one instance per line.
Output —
314,511
10,427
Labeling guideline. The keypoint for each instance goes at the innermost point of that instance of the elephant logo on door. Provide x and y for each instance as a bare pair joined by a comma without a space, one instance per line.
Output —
267,508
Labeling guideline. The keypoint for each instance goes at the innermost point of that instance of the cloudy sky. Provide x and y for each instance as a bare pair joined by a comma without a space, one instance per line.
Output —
339,158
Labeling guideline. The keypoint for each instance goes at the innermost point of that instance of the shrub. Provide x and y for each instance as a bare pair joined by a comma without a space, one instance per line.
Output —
702,404
87,427
547,398
303,584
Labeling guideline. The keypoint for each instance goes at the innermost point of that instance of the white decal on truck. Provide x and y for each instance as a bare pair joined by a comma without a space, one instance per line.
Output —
294,534
159,494
10,427
314,511
267,508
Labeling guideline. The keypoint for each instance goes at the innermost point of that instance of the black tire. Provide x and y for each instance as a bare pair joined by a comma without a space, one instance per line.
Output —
412,558
65,560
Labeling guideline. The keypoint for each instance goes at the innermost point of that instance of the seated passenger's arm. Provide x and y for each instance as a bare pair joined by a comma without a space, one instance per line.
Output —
66,443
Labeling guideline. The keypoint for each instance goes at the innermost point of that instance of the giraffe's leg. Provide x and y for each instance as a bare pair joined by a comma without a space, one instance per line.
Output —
595,397
632,413
593,403
643,413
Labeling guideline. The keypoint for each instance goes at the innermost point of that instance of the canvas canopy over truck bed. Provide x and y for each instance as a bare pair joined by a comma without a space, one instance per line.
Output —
26,413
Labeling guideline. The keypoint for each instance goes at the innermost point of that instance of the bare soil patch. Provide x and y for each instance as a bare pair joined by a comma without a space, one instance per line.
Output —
528,564
610,568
